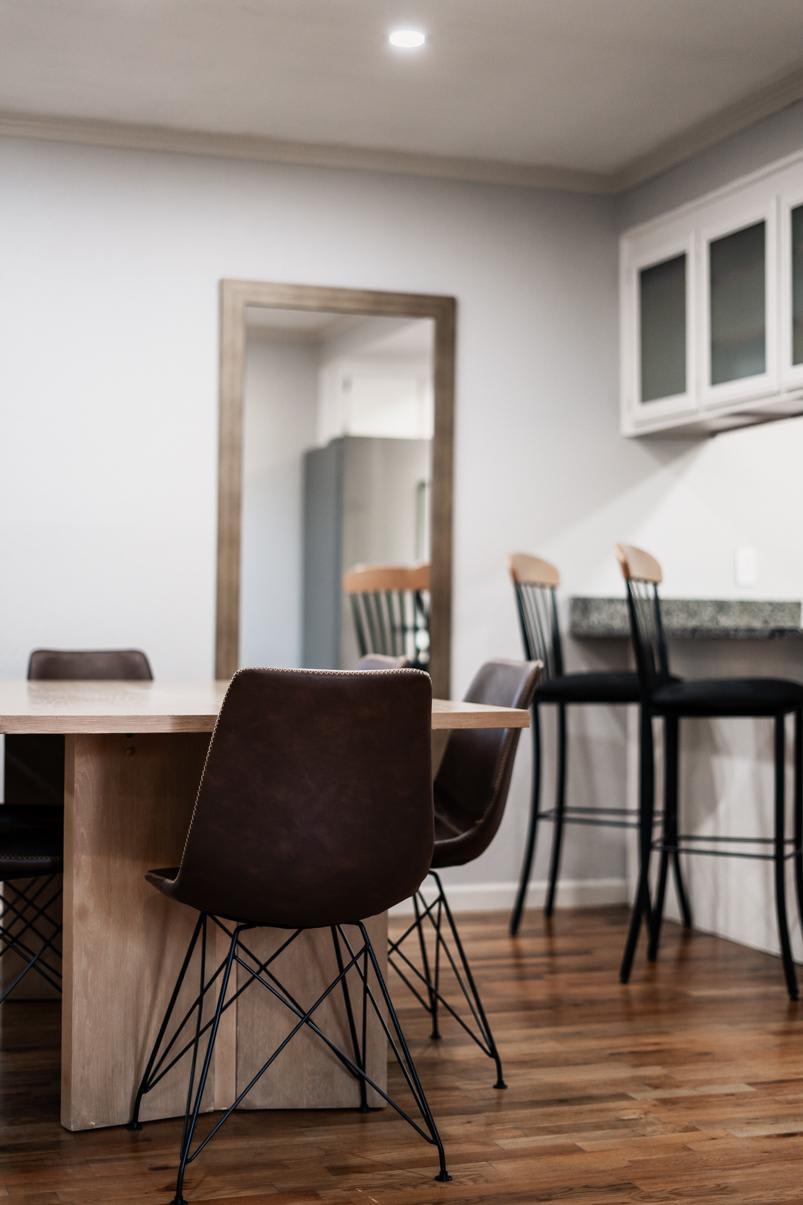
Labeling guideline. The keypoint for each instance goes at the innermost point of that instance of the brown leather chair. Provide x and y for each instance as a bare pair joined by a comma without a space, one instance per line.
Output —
32,834
89,665
471,789
314,811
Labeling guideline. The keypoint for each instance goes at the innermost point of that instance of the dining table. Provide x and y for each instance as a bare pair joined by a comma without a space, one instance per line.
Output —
133,755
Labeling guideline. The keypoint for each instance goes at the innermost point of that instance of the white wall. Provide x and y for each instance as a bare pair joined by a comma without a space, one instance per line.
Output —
107,461
279,426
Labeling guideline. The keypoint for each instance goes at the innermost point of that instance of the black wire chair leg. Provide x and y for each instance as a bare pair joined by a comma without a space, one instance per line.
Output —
191,1119
359,1050
560,803
431,990
641,904
410,1070
780,861
798,810
26,910
484,1025
532,830
144,1084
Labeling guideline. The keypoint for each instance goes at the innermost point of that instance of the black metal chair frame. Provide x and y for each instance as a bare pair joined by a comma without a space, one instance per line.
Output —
537,607
358,957
435,915
24,914
650,646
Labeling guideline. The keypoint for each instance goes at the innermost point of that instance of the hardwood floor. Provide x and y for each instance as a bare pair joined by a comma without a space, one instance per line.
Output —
686,1086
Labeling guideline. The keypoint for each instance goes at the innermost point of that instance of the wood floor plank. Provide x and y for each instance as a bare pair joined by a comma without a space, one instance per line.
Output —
684,1087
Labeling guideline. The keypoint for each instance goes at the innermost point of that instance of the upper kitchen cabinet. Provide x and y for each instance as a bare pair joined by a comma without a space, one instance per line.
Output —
791,278
712,310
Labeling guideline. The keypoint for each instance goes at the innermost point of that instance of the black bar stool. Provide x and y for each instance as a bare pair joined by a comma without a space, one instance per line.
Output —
390,609
671,700
471,790
314,810
32,834
536,583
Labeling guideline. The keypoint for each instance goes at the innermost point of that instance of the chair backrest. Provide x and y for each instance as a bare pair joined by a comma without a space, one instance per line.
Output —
90,665
315,805
380,661
643,575
471,786
536,582
390,608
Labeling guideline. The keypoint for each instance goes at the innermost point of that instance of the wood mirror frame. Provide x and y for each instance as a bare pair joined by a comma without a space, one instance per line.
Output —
235,296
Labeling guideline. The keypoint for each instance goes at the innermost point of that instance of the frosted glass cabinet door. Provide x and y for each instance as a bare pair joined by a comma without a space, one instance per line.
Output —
738,304
662,329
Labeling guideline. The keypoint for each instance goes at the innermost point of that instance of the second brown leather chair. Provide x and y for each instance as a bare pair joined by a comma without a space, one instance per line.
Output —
471,789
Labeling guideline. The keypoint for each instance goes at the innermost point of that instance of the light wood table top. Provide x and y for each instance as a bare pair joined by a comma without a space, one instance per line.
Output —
138,707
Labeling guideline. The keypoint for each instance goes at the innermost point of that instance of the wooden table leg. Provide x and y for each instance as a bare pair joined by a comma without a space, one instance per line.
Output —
128,801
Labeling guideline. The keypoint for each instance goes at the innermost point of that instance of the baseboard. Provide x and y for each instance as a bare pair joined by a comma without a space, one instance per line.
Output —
499,897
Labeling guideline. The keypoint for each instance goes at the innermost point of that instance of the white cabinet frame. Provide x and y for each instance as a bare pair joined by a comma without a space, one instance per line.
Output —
727,217
636,414
791,375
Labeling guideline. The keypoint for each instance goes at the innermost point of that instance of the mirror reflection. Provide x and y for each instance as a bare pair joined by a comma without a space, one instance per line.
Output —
337,467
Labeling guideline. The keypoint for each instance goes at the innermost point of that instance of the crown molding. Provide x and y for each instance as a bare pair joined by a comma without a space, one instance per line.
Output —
125,136
782,92
779,94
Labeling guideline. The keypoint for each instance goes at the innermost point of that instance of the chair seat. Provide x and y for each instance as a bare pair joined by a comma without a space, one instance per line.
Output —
590,687
454,844
728,696
26,854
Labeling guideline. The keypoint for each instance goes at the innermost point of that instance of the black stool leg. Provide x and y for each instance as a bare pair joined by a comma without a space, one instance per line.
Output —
798,808
641,903
669,836
673,752
535,803
560,801
780,863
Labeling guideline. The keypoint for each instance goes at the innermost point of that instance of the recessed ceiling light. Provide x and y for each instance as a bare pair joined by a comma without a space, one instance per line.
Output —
407,39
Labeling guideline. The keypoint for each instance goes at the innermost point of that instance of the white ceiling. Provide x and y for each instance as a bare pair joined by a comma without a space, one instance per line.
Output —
585,86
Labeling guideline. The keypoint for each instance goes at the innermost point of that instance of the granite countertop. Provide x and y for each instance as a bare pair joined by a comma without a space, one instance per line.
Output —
690,618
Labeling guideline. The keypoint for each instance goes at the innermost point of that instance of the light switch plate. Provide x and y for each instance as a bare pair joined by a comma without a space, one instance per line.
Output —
745,565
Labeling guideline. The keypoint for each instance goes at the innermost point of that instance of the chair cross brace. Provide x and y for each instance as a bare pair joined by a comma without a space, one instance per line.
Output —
26,911
361,960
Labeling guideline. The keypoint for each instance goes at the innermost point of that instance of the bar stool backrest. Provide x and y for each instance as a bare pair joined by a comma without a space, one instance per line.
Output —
390,608
642,574
472,783
89,665
536,582
315,806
